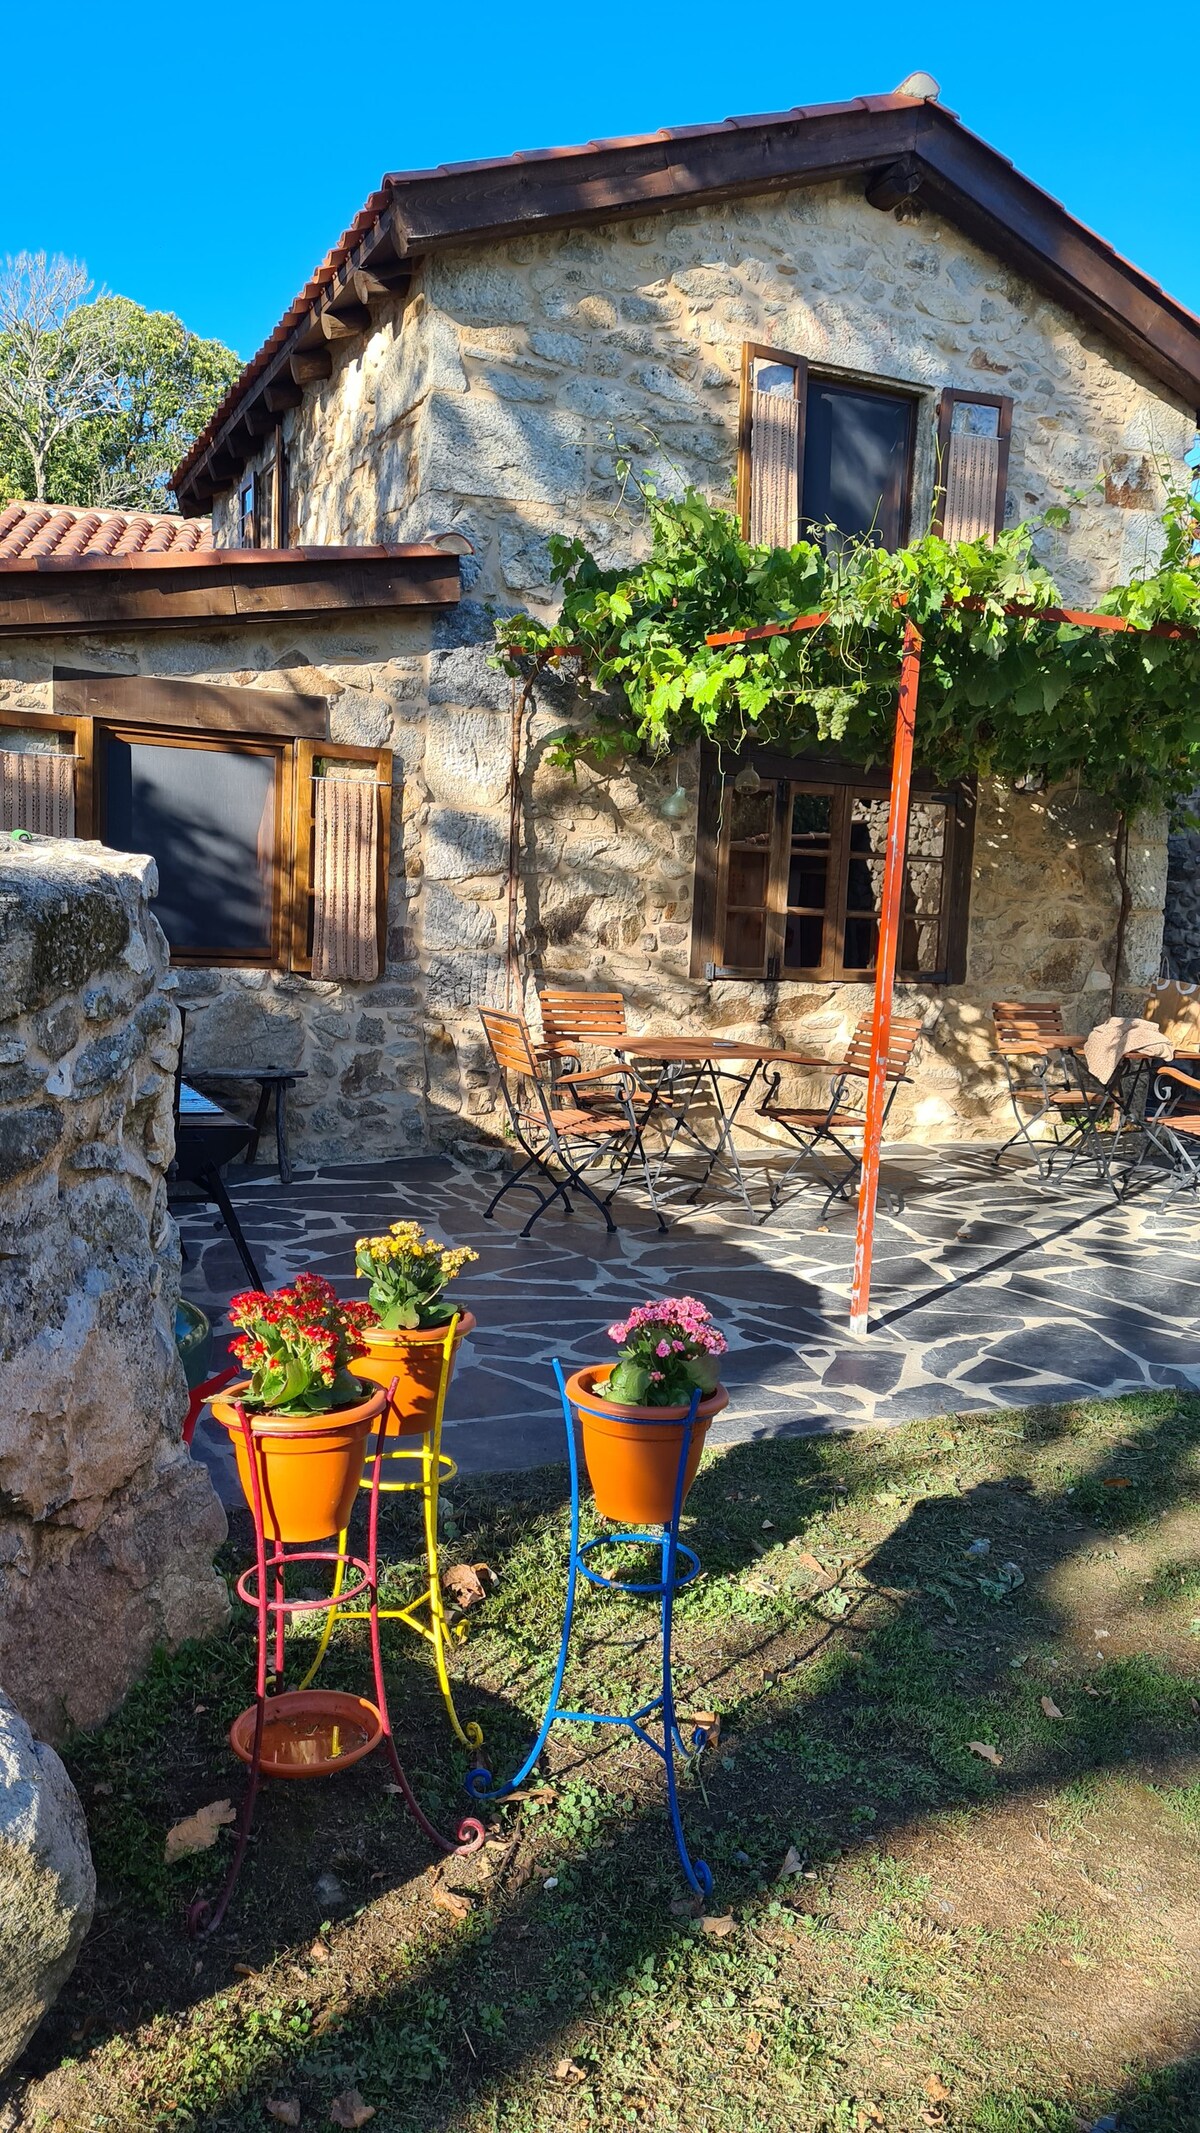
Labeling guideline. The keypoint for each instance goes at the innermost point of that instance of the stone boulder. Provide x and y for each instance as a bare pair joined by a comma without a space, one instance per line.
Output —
47,1881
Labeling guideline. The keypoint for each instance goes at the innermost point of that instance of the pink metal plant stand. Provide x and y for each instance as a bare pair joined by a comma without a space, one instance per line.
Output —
262,1587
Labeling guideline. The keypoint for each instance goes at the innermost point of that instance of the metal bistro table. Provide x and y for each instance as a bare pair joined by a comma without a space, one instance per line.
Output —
694,1068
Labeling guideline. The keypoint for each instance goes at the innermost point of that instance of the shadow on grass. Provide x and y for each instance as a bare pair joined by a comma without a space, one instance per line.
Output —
850,1694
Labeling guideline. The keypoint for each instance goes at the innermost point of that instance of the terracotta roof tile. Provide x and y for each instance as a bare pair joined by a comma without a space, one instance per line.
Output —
30,531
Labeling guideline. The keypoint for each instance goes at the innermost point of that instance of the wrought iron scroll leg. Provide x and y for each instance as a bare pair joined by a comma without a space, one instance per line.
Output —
698,1876
480,1783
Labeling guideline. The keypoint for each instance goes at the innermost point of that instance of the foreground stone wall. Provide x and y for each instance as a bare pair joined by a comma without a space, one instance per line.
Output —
107,1527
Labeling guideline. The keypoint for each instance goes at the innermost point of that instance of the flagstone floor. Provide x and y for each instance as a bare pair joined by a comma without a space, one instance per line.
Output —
989,1291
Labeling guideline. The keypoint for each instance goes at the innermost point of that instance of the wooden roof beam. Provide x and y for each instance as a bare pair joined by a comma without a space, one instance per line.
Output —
345,323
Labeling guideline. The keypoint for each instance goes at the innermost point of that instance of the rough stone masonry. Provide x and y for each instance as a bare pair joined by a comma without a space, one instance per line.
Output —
107,1527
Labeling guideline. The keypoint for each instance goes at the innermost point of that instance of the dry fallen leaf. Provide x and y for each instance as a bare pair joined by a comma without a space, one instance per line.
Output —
468,1583
285,2110
566,2070
1117,1481
989,1754
752,2041
706,1722
1050,1707
318,1953
936,2090
198,1832
348,2109
792,1864
718,1927
244,1970
450,1900
808,1561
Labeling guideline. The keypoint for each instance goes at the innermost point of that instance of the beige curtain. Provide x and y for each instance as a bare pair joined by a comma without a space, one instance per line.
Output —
345,879
774,469
37,792
972,473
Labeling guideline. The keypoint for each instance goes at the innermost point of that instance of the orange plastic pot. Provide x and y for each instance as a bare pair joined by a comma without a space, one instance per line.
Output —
632,1453
309,1465
413,1356
309,1733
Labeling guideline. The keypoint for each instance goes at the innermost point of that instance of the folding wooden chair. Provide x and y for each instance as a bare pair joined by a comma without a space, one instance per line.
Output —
1173,1132
552,1128
811,1127
1043,1074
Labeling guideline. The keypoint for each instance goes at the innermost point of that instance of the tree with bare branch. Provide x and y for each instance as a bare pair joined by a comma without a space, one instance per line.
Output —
57,368
99,399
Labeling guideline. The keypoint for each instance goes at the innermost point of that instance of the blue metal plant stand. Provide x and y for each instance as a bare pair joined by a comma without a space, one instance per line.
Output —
680,1567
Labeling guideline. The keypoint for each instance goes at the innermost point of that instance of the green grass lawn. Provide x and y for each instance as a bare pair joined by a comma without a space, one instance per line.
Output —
904,1934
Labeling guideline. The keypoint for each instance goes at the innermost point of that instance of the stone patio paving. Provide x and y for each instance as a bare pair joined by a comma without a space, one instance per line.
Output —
989,1292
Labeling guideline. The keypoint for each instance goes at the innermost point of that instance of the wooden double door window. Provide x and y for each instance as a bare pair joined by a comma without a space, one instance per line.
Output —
791,879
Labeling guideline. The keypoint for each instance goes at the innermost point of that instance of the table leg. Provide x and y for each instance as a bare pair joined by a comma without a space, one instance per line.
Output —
212,1183
260,1120
281,1144
727,1119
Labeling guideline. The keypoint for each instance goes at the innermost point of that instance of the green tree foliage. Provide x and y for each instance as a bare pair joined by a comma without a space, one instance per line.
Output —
99,400
1000,694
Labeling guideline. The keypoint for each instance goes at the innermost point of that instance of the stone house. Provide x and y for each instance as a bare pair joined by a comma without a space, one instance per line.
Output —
858,312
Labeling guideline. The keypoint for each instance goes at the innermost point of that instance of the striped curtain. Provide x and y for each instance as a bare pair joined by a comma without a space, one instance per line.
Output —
972,473
774,468
37,792
345,879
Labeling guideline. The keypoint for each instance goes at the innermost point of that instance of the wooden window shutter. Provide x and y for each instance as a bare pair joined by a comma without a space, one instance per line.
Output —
973,440
343,815
771,444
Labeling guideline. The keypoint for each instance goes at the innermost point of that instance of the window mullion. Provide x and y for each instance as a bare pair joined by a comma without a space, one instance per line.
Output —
833,951
777,880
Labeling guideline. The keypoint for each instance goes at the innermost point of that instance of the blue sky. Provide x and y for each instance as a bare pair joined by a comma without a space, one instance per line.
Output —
202,159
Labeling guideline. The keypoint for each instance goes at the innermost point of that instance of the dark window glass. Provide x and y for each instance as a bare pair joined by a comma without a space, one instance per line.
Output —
246,528
857,449
207,817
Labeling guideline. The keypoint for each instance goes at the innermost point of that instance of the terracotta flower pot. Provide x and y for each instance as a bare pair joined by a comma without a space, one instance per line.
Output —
632,1453
413,1356
309,1465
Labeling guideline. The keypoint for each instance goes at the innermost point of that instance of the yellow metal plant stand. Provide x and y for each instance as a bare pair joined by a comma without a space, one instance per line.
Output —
427,1613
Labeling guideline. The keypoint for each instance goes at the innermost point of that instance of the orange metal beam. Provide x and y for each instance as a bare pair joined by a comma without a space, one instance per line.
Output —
886,958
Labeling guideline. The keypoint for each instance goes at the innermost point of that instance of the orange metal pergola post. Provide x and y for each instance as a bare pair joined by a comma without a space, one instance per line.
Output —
886,957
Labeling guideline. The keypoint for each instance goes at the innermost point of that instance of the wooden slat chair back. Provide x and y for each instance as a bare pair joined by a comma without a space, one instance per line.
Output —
572,1019
856,1059
559,1138
810,1126
1017,1023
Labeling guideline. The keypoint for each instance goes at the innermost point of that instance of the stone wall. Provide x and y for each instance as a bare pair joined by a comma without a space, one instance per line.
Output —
495,400
107,1527
605,899
1181,918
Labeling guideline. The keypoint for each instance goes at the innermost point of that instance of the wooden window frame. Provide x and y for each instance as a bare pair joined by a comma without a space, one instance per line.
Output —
292,870
807,374
950,397
844,782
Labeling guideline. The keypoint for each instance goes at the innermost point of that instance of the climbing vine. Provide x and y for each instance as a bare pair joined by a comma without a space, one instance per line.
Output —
1001,694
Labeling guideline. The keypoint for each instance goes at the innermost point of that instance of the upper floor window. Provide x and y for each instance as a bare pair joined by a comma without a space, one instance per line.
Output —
827,458
248,512
263,501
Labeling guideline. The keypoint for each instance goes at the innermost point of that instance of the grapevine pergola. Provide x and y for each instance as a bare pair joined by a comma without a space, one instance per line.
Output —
893,887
